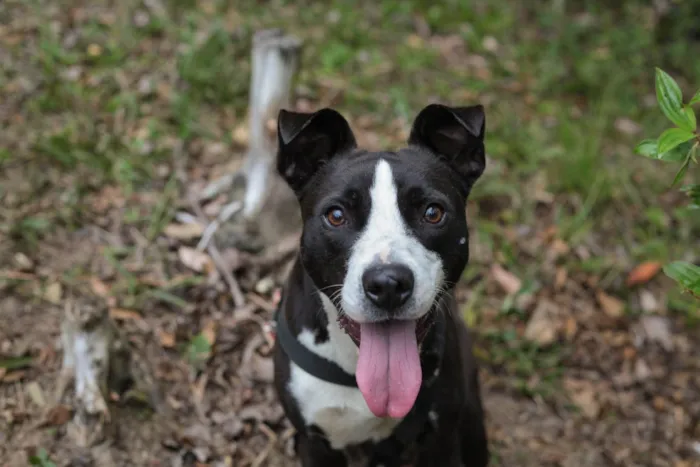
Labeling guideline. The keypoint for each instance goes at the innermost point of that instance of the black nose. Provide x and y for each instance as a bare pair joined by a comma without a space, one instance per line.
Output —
388,286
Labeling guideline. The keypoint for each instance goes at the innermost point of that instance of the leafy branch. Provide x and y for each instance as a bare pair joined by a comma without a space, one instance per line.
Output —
677,144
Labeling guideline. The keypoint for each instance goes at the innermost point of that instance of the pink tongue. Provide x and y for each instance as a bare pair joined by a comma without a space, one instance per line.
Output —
388,371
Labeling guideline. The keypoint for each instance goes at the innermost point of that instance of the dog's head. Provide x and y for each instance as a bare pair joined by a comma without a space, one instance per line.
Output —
384,232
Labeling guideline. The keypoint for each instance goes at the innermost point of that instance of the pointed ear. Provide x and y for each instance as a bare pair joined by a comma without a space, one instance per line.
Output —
455,134
309,140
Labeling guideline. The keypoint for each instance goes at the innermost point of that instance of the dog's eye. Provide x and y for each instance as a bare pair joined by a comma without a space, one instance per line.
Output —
434,214
335,216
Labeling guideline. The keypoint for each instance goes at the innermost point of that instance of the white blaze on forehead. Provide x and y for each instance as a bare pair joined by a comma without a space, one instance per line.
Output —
386,238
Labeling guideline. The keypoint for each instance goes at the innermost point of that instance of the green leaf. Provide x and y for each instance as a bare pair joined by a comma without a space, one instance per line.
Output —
648,148
41,459
670,99
690,115
686,274
672,138
693,192
684,168
695,99
15,363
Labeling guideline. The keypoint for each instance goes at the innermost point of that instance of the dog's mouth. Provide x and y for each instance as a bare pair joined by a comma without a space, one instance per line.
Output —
388,372
353,329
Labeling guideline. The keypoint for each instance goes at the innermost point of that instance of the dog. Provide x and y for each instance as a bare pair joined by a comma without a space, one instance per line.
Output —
372,362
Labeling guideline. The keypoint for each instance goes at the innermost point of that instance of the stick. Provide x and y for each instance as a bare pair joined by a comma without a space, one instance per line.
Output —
234,288
275,60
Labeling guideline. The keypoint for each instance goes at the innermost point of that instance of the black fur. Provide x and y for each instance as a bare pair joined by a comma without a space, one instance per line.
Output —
319,159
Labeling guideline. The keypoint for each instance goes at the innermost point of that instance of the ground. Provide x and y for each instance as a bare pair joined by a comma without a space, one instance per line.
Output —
112,112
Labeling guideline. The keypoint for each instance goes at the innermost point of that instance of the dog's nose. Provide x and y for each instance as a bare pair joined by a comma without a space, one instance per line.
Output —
388,286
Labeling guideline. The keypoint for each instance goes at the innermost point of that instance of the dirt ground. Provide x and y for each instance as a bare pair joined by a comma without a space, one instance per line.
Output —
629,391
112,115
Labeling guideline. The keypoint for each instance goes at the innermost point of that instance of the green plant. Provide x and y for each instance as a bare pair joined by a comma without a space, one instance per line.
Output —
677,144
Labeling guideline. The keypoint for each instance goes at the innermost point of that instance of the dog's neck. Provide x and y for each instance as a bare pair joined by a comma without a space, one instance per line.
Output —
318,330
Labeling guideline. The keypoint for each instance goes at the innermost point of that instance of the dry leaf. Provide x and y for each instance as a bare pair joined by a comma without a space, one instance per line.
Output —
507,280
3,372
122,314
643,273
585,399
195,259
167,339
542,327
613,307
240,134
53,293
13,376
570,328
99,287
184,231
36,394
209,332
58,415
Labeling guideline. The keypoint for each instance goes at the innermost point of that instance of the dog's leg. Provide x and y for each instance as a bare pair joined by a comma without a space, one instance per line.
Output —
474,441
315,451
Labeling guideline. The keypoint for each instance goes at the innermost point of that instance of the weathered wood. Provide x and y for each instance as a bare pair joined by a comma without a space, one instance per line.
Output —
275,60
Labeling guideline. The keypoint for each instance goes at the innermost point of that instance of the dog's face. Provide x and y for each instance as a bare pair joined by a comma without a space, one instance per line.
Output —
384,232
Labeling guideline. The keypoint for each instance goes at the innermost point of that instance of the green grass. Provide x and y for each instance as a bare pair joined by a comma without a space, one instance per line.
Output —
554,81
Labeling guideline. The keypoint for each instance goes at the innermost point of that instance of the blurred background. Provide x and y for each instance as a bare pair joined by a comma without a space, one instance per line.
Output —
111,111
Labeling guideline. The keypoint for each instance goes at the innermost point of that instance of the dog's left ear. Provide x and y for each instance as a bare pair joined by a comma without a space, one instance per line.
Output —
309,140
455,134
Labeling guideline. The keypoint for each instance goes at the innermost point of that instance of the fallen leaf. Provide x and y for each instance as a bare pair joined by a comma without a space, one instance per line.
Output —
570,328
23,262
184,231
99,287
36,394
612,306
507,280
122,314
657,329
167,339
648,302
585,399
58,415
240,135
542,327
195,259
13,376
3,372
643,273
53,293
94,50
209,332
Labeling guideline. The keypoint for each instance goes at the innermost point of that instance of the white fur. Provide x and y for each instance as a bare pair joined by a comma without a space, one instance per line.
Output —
342,412
386,237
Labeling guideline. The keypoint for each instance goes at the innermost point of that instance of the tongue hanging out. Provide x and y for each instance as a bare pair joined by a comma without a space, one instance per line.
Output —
388,371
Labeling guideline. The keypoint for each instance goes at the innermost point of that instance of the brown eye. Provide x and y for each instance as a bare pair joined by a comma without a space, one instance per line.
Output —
434,214
335,217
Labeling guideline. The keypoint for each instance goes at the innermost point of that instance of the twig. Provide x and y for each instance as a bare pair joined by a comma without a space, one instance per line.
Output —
226,213
234,288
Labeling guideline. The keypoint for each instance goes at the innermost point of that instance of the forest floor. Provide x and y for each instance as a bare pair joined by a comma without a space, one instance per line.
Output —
112,113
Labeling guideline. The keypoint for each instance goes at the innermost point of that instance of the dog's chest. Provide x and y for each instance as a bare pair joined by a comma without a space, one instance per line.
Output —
341,412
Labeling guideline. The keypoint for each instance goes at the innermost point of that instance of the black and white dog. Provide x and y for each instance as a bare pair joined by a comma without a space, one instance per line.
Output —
371,355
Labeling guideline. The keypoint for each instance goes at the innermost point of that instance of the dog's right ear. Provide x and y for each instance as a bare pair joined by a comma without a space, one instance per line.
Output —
309,140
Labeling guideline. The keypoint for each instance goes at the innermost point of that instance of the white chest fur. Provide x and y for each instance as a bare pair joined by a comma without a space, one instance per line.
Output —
341,412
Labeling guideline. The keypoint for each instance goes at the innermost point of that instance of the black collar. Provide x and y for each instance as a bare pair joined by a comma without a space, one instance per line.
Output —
309,361
330,372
